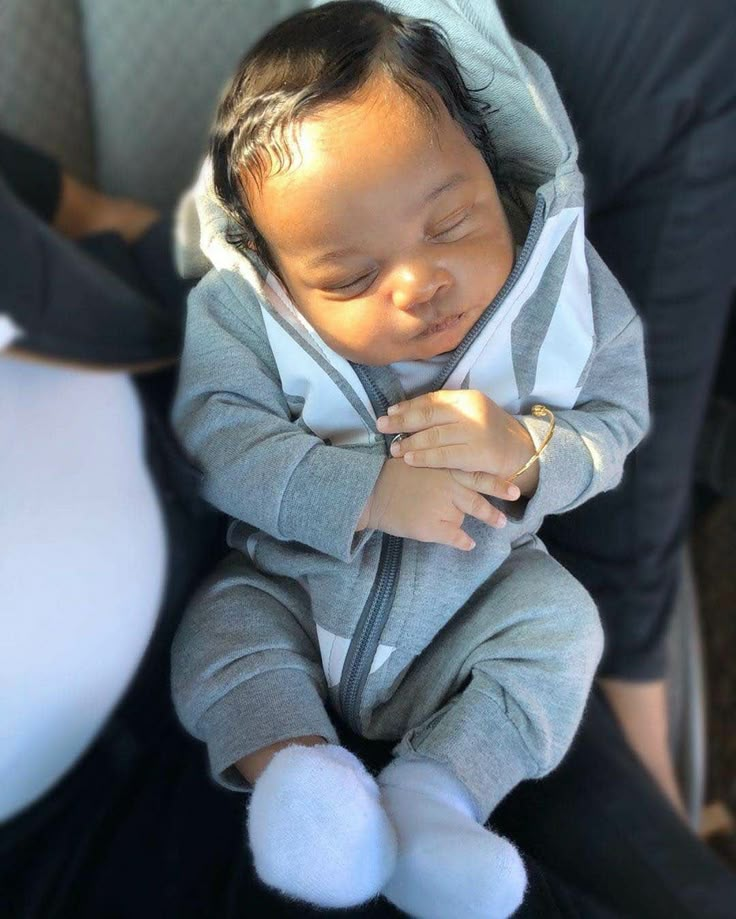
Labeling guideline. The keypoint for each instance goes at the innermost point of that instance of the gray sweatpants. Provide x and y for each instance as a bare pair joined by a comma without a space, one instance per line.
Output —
496,696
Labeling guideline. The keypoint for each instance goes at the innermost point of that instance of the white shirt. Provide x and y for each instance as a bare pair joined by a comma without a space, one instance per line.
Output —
82,564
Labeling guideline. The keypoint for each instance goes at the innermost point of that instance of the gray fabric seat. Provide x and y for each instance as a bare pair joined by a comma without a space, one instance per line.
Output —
124,93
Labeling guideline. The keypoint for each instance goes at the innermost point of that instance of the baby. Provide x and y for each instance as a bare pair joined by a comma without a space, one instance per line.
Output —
390,253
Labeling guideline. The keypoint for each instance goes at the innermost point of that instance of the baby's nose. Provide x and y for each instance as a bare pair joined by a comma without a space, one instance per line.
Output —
418,284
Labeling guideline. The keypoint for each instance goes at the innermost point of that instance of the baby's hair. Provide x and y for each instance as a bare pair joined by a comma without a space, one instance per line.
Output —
321,56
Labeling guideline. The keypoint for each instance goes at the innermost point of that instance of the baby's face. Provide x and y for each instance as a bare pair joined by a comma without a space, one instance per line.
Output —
387,230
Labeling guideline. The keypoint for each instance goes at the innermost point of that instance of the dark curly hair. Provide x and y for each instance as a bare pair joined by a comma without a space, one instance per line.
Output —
321,56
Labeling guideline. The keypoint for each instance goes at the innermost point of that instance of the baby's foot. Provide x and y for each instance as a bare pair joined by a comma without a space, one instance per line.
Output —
447,864
317,829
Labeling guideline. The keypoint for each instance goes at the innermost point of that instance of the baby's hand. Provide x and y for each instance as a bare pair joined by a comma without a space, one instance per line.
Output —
464,430
430,504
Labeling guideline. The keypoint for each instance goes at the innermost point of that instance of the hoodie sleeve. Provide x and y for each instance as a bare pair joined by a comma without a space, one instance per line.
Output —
590,442
234,423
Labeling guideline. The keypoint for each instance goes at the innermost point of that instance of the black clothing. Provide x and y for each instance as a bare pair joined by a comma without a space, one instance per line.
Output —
651,92
94,303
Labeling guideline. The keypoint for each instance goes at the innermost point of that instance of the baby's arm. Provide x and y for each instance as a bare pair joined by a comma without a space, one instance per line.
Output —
260,467
234,422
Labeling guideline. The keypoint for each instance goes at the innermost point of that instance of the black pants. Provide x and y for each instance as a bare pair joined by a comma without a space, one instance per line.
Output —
138,830
651,92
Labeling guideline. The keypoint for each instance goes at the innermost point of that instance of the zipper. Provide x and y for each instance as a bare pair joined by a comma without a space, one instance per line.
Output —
365,640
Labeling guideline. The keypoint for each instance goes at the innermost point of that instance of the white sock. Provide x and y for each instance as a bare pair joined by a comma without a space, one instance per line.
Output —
317,829
448,864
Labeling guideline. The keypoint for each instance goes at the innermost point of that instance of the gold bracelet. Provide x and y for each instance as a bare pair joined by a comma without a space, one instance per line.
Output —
539,411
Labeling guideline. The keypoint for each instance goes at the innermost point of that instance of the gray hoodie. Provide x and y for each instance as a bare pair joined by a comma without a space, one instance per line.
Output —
283,428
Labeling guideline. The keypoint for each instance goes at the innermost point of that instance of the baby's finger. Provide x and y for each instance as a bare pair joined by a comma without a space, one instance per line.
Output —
463,457
442,435
433,408
487,484
475,505
454,456
450,534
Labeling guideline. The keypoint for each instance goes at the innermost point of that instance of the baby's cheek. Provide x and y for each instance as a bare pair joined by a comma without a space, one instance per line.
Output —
350,338
490,270
368,335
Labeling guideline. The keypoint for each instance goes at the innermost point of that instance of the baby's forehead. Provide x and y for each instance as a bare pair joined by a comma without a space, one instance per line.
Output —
379,145
382,118
380,115
340,147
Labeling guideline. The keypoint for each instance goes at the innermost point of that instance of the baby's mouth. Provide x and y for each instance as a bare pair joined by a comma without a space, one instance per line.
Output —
442,325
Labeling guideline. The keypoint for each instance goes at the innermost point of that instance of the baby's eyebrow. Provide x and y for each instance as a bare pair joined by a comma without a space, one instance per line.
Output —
331,256
457,178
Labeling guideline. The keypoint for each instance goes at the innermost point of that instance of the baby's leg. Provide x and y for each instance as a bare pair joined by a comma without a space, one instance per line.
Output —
251,766
524,652
248,680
